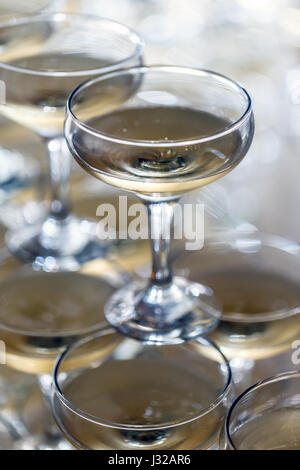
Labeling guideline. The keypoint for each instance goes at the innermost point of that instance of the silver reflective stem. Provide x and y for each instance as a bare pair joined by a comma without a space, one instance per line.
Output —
160,216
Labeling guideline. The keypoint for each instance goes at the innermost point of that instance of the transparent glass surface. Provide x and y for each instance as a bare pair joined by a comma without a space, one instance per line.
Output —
266,416
255,277
113,392
159,132
40,314
42,59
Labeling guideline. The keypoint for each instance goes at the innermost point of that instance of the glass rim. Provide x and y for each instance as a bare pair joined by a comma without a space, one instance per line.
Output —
270,240
161,143
115,425
60,16
260,384
65,334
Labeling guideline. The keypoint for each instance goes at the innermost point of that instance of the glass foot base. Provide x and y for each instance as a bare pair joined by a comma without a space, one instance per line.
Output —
55,246
170,314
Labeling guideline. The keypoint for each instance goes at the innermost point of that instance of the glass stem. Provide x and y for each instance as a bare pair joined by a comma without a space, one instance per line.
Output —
160,217
59,162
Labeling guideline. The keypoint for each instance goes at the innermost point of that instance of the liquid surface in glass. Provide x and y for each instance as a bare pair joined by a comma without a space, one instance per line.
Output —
158,169
275,430
46,310
142,392
254,293
41,105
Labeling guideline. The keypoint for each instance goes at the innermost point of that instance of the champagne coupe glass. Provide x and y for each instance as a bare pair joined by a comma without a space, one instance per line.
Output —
142,396
266,416
40,314
256,278
43,58
159,132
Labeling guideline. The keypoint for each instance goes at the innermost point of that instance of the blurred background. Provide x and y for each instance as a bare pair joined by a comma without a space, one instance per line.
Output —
255,42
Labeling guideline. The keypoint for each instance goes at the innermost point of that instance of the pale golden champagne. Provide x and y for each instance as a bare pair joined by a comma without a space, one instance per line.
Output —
40,313
274,430
161,170
41,106
144,392
254,294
